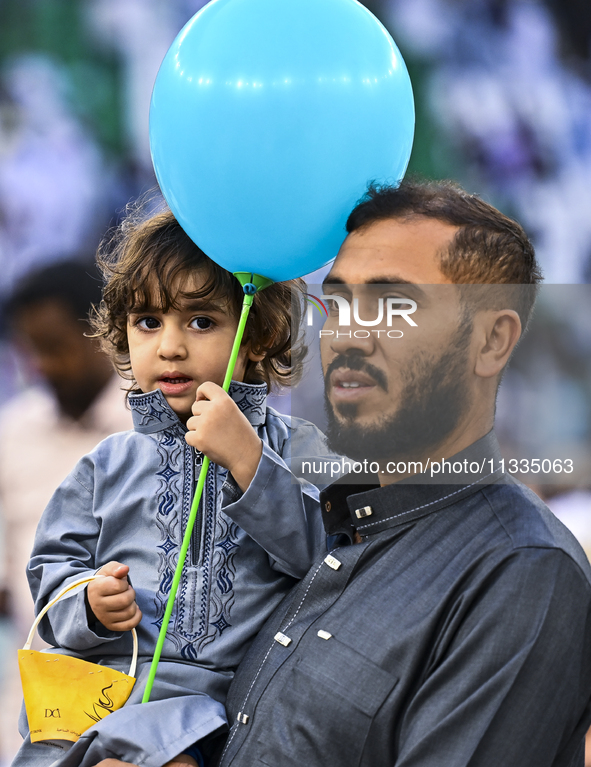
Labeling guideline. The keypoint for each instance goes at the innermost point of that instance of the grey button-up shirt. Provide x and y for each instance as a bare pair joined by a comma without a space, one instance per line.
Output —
458,632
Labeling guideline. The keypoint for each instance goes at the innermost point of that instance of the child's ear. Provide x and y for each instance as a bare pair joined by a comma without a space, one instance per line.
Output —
256,357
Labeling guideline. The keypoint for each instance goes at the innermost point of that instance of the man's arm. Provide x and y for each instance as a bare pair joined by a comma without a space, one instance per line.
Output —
180,761
513,683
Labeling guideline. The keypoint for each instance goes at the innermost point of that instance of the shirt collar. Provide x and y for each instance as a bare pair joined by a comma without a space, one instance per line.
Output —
151,412
371,509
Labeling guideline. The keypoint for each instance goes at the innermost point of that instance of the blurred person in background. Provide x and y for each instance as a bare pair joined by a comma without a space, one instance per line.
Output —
504,106
74,401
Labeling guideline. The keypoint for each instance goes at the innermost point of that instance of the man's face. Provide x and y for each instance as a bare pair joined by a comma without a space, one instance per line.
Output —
54,341
395,397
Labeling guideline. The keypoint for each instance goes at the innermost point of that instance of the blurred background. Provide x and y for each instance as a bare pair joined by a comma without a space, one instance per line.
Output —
503,98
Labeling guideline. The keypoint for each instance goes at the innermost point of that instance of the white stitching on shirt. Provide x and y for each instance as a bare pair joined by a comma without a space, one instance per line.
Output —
79,481
425,505
304,597
260,668
242,707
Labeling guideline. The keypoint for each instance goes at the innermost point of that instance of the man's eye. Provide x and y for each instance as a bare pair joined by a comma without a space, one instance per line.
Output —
148,323
332,304
202,323
401,302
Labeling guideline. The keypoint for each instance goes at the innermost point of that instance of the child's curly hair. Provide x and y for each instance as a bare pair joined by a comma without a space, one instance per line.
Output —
142,262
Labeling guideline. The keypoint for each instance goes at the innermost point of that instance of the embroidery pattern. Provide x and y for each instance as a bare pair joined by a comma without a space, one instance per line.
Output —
170,476
213,580
147,409
206,591
250,399
191,622
226,548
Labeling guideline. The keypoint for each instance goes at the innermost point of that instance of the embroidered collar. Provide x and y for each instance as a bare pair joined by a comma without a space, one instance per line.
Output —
151,412
369,509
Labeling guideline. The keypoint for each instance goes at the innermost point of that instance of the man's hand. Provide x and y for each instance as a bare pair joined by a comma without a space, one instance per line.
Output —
112,600
220,431
182,761
178,761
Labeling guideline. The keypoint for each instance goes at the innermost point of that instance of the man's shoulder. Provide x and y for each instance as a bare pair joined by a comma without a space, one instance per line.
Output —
25,407
527,523
289,422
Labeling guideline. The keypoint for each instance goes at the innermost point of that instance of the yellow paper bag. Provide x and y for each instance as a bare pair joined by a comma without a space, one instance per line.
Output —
64,696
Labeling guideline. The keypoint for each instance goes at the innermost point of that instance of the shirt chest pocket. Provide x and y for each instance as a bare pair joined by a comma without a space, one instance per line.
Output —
324,705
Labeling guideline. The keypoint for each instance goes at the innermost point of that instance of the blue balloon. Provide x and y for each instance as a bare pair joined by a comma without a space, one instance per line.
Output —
268,120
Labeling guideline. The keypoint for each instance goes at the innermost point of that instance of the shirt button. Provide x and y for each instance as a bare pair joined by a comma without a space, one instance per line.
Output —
366,511
332,562
282,639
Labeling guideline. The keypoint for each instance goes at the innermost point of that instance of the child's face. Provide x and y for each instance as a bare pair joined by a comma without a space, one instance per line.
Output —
179,350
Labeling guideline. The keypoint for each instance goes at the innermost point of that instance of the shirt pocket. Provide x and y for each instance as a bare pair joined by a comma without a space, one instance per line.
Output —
324,706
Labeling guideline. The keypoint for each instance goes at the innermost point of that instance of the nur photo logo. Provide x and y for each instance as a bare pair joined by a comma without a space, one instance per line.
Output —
387,309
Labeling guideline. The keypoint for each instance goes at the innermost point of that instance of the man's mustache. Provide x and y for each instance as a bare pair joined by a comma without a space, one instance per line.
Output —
356,362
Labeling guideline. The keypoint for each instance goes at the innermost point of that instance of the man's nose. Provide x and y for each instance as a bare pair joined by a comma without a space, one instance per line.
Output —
354,338
172,343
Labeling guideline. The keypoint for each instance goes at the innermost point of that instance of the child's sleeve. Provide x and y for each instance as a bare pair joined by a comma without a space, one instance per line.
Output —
279,511
64,551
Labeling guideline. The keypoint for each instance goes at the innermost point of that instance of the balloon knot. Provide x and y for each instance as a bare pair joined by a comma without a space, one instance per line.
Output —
250,289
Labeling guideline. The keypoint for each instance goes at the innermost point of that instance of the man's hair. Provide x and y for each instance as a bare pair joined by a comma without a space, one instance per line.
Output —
75,285
488,249
145,260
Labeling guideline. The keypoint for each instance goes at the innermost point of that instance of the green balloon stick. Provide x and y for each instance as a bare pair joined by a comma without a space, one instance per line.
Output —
251,284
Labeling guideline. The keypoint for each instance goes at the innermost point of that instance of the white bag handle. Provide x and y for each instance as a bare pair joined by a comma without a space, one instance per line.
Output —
63,592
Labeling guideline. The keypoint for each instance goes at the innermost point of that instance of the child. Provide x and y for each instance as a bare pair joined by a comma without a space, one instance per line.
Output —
168,319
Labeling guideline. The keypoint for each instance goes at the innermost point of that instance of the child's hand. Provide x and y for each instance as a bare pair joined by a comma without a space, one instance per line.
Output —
224,434
112,600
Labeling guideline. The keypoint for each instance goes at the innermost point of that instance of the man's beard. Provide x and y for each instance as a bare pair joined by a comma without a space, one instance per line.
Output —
433,398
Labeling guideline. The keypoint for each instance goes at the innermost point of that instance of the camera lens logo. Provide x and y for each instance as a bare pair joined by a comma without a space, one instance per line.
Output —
315,302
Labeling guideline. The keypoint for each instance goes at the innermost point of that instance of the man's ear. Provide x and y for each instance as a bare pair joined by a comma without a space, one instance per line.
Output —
499,332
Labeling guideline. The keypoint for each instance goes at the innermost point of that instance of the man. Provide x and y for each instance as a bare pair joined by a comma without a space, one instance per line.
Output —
75,402
450,624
